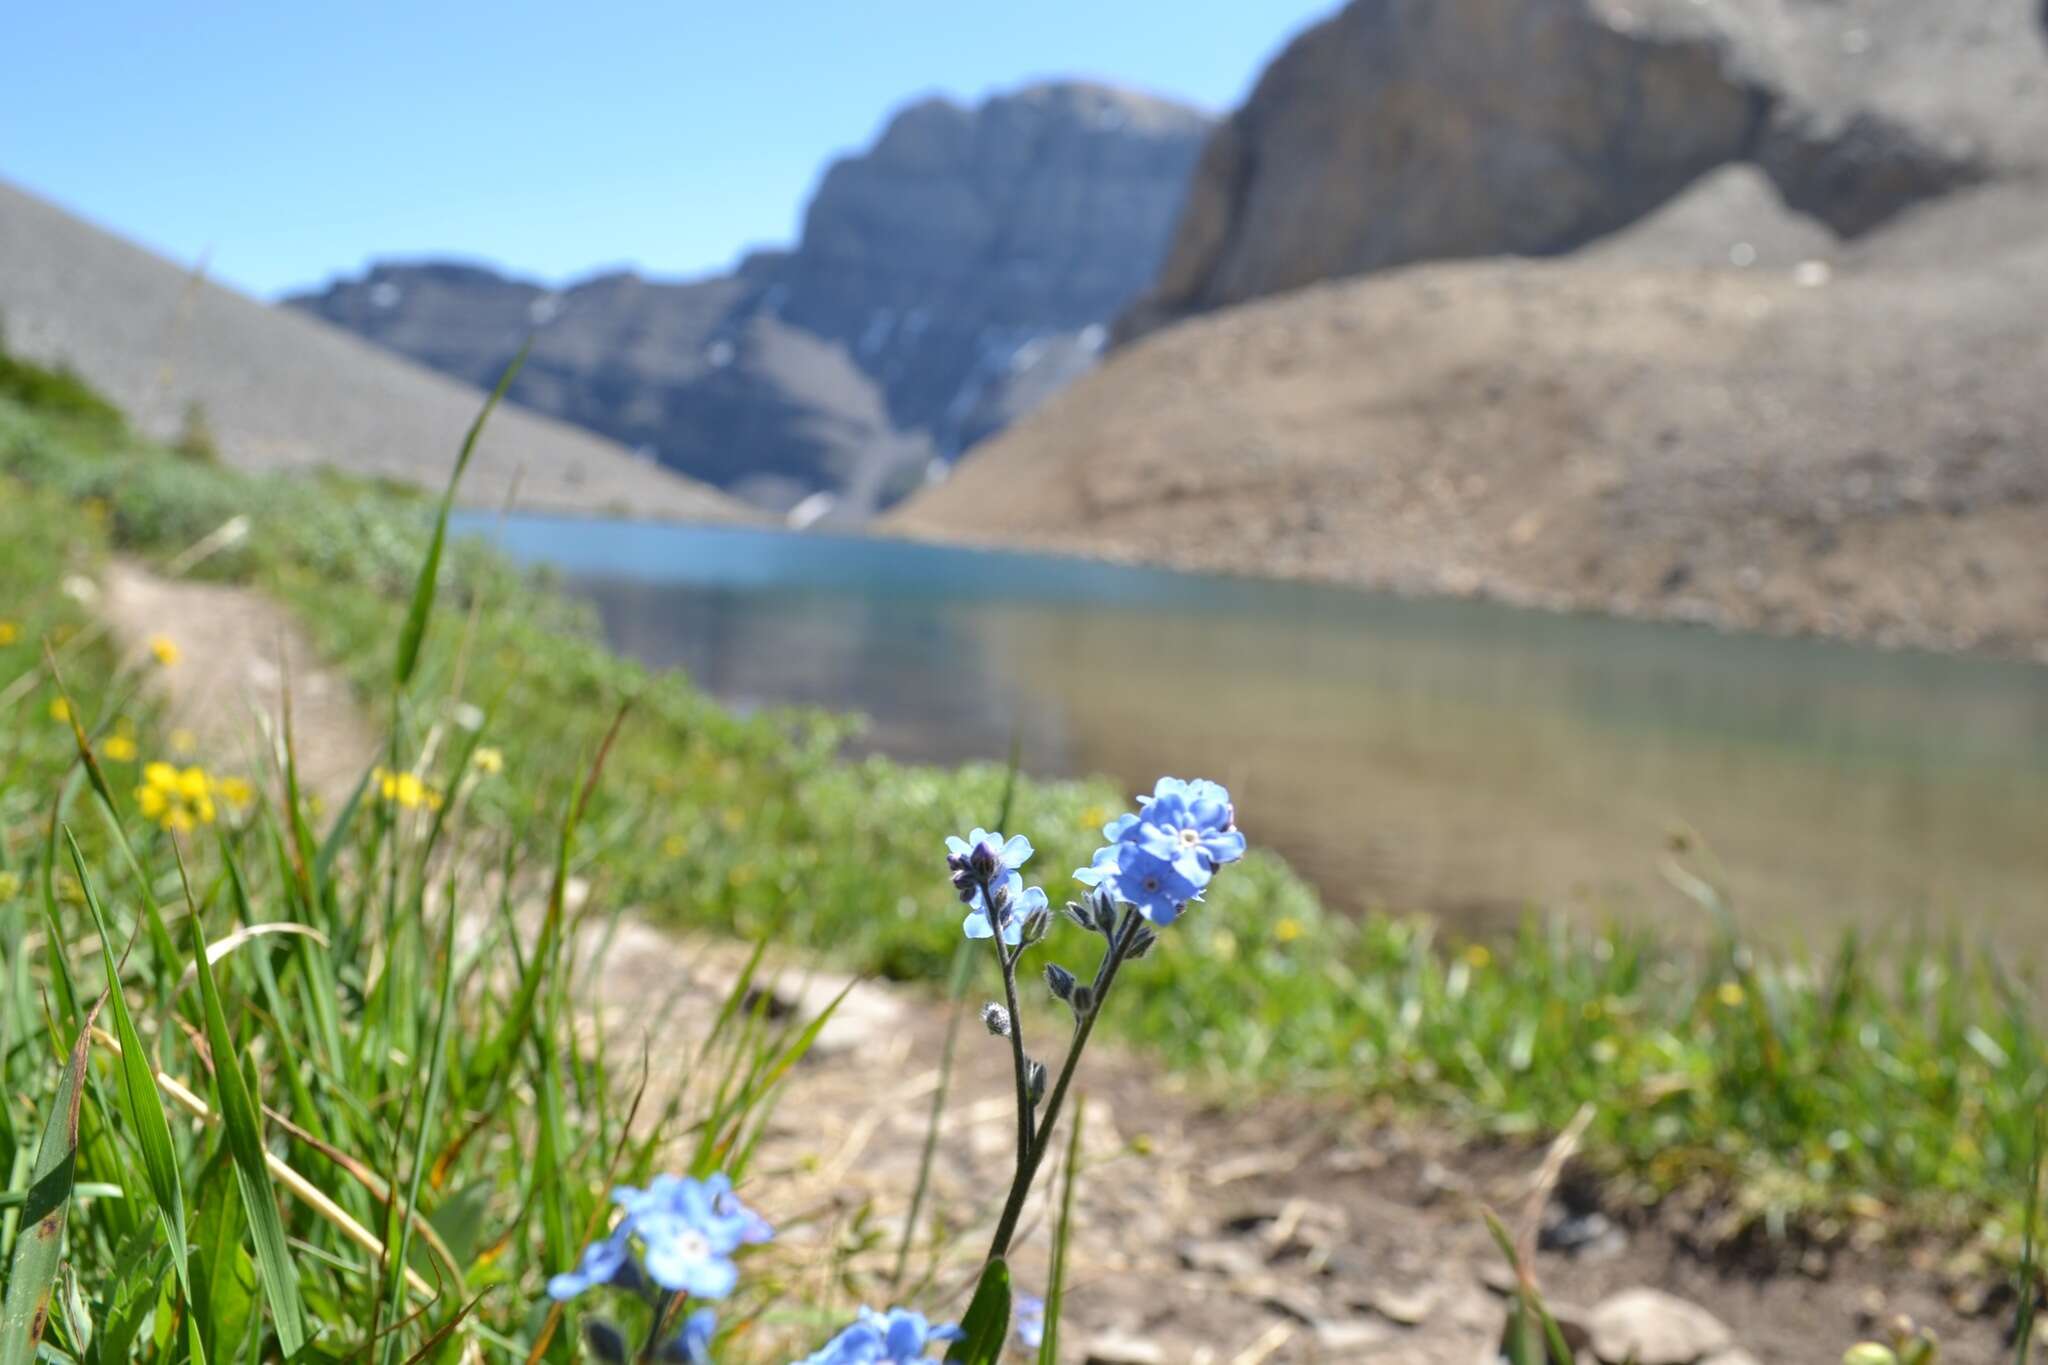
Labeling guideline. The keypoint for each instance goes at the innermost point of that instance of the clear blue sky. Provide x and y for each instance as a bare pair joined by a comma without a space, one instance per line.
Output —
292,141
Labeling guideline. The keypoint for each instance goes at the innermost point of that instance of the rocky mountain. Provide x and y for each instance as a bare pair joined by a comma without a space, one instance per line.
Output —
1408,130
947,278
1757,340
280,390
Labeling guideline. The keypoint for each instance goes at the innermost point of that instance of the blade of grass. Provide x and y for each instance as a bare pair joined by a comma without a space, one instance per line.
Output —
414,632
24,1313
1056,1282
244,1129
140,1104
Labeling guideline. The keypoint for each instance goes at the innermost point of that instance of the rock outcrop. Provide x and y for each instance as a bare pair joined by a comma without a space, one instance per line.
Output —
1406,130
947,278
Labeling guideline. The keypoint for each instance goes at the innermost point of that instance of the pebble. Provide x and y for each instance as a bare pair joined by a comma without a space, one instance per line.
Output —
1220,1257
1122,1350
1350,1334
1410,1307
1650,1327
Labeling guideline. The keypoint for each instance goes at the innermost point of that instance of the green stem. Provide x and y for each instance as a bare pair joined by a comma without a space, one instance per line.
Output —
1019,1062
1027,1170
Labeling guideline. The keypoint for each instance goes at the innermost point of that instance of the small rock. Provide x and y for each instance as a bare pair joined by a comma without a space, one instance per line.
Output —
1650,1327
1408,1306
1292,1301
1220,1258
1339,1335
1733,1355
1113,1349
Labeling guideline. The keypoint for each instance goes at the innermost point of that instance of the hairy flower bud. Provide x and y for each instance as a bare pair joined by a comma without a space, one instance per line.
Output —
1034,1081
606,1342
995,1019
1036,923
985,860
1083,999
1079,914
1102,904
1141,943
1060,980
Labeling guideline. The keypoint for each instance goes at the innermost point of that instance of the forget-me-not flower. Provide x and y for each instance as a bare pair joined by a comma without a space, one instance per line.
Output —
896,1337
1161,858
687,1230
988,860
1030,1311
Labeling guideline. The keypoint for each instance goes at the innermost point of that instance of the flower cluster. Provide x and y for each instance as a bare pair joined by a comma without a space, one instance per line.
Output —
896,1337
685,1233
1160,859
182,799
984,868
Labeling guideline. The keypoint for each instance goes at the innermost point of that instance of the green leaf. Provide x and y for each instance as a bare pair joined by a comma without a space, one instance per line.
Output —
239,1116
141,1105
987,1324
1056,1283
39,1247
415,631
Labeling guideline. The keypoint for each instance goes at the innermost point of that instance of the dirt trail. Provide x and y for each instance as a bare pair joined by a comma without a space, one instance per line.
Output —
1208,1234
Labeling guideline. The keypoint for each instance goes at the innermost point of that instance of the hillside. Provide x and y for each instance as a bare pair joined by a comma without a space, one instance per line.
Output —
281,391
948,277
1752,335
1854,448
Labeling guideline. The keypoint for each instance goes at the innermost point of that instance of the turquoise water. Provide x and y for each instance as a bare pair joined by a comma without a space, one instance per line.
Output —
1462,757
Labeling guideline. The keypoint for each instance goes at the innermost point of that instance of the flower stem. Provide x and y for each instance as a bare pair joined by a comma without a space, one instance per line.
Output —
1027,1169
1017,1058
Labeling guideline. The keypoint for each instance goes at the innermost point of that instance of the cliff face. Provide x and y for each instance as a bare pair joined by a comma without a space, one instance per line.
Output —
1408,130
948,277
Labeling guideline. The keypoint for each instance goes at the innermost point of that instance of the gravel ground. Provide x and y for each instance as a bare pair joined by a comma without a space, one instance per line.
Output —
282,391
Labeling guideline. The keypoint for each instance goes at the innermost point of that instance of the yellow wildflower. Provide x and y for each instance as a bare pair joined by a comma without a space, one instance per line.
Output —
1478,955
406,790
165,649
675,846
118,749
488,760
177,799
236,792
60,710
9,633
1093,817
1730,994
184,742
10,885
1287,930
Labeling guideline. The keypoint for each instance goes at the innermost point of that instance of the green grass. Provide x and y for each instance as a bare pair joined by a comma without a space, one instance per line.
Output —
1889,1083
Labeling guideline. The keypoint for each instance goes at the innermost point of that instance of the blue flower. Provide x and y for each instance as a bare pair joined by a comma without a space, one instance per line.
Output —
607,1262
1162,858
892,1338
985,859
692,1345
1030,1310
687,1230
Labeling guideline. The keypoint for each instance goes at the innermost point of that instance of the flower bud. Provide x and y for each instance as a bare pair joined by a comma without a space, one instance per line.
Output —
1036,923
985,859
1079,914
1060,980
1083,999
1102,903
606,1342
995,1019
1034,1081
1141,943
